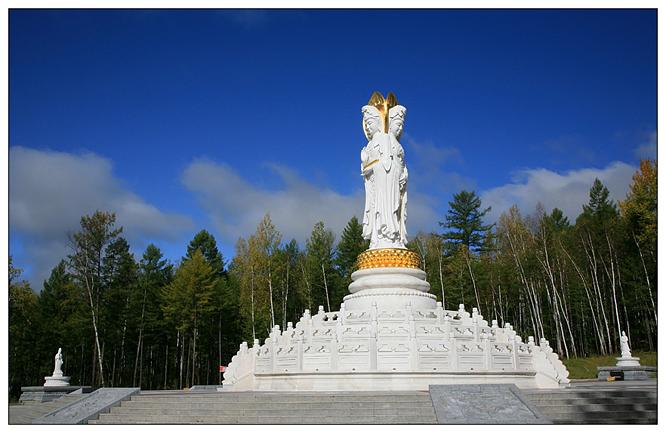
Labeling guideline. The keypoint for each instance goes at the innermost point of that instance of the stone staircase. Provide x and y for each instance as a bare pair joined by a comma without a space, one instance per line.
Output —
273,408
602,404
25,413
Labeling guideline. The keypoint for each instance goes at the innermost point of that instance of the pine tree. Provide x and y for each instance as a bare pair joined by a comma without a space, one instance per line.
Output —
466,233
187,301
350,246
56,308
557,220
120,285
464,221
205,242
154,274
600,209
319,254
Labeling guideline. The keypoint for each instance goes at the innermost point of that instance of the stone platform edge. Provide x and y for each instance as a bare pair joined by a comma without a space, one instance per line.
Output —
89,407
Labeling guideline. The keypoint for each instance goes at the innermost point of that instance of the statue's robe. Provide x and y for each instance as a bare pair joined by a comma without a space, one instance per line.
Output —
368,154
383,216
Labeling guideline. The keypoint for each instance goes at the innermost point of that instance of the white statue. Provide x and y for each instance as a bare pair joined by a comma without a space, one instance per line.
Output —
57,371
624,346
57,378
385,174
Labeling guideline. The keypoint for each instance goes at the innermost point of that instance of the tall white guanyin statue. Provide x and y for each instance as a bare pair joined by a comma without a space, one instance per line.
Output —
384,172
390,333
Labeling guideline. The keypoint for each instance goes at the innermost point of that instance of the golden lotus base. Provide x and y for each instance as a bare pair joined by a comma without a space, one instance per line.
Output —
388,258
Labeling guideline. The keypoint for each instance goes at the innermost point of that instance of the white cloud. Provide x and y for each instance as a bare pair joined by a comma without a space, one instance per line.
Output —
568,191
235,206
648,150
49,192
429,164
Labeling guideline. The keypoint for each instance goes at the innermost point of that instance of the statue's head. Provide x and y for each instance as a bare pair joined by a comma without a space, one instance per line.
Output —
372,121
397,120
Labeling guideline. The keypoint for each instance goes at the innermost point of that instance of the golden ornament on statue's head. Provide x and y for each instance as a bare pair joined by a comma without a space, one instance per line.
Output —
383,105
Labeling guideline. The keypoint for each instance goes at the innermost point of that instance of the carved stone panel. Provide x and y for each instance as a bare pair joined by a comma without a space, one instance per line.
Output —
286,359
264,360
525,362
317,357
393,354
471,356
430,330
354,356
462,332
433,355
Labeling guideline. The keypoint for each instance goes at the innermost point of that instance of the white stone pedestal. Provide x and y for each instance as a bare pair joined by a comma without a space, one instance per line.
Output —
389,289
630,361
56,381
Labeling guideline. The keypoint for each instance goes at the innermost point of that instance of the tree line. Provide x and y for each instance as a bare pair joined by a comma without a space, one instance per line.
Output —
147,322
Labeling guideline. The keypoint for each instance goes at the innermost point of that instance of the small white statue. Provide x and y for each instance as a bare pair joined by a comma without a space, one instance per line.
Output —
57,371
57,378
626,360
624,346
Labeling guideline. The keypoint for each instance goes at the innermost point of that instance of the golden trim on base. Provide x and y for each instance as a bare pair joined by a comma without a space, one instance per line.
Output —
388,258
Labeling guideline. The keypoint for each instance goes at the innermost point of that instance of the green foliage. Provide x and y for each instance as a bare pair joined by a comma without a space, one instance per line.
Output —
23,316
191,293
600,210
464,221
350,246
205,242
319,252
639,209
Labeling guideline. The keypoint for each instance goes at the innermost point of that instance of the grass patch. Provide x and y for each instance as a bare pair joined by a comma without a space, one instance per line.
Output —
586,368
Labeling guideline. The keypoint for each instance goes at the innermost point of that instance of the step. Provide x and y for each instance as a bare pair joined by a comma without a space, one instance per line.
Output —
565,409
577,401
272,412
579,420
613,392
158,419
276,405
617,415
297,397
590,397
293,401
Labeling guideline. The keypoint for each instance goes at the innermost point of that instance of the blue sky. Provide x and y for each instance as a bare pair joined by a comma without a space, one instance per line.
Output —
189,119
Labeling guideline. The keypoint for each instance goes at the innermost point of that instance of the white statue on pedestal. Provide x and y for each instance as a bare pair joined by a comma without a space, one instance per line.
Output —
57,378
385,174
625,359
57,371
624,346
390,333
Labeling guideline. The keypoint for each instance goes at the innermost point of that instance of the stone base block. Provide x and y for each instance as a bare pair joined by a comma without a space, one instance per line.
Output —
629,372
49,393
